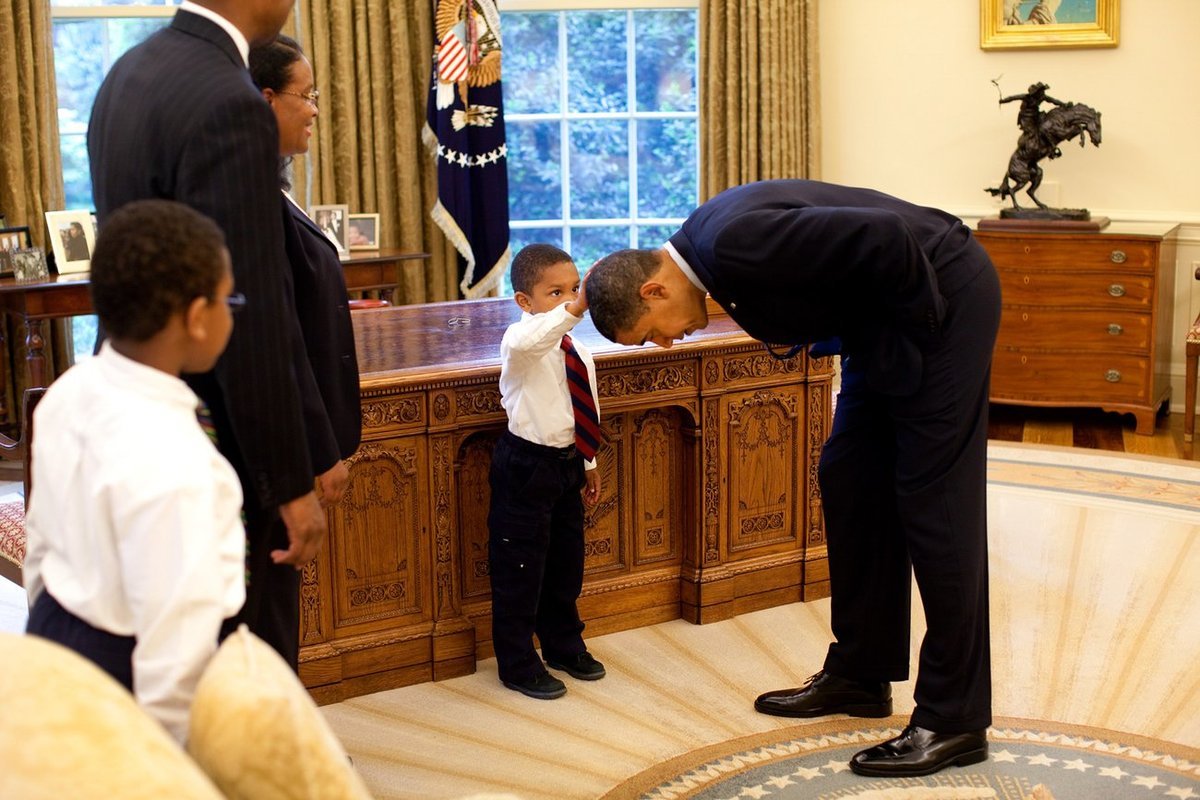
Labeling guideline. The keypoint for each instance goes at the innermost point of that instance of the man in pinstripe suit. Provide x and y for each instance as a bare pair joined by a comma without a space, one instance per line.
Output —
178,117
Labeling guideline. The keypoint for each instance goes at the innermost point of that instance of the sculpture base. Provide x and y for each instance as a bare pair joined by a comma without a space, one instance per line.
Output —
1043,221
1045,213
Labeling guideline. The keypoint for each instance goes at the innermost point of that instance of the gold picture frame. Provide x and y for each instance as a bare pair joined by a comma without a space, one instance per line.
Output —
362,232
1014,24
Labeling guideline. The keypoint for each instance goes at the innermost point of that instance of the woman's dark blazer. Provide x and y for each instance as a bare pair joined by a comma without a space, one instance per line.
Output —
324,313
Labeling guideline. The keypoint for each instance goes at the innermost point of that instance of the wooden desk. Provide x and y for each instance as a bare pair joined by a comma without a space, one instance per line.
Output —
67,296
709,503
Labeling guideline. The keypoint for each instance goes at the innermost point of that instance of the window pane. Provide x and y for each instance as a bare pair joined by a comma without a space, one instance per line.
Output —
666,60
84,49
531,68
599,169
652,236
666,167
534,170
596,63
77,180
590,244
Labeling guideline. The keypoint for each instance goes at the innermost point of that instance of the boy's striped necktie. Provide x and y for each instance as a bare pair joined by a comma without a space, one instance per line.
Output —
587,421
204,417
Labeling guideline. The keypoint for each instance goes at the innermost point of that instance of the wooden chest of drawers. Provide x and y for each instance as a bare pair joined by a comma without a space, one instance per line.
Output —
1086,318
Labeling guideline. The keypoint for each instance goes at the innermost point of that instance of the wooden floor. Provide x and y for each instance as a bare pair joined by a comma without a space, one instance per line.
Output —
1088,428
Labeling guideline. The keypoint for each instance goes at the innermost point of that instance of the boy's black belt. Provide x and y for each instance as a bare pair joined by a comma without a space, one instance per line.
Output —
563,453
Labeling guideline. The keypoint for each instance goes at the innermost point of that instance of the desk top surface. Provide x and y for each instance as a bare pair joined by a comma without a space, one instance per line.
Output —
465,336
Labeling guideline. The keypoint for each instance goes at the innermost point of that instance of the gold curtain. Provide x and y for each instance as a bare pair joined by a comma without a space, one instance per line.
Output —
30,167
372,60
759,105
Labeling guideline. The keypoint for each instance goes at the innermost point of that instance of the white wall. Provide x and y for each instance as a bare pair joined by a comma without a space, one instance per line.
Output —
908,107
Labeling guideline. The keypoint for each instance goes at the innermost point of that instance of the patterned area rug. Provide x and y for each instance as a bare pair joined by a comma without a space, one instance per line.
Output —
1029,760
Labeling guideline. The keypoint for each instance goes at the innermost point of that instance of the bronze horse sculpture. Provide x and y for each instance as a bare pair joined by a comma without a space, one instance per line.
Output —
1059,124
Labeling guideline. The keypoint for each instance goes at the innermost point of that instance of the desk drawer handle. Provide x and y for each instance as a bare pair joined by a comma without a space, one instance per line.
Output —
1115,329
1117,256
1113,376
1116,290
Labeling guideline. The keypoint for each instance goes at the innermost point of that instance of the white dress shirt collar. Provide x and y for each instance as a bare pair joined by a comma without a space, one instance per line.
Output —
684,267
239,39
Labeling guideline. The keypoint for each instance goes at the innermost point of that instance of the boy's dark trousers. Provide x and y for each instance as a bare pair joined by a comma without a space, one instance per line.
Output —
535,554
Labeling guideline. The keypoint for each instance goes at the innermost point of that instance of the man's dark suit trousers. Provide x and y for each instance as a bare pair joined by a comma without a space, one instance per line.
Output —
903,482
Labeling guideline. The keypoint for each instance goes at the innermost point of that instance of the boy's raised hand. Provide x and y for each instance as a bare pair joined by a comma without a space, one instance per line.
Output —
578,307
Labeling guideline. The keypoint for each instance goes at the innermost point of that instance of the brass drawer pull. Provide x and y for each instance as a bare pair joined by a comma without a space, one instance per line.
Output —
1117,256
1115,329
1116,290
1113,376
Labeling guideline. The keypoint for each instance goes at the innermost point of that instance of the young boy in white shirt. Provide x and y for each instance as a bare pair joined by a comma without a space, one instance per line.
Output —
136,548
543,471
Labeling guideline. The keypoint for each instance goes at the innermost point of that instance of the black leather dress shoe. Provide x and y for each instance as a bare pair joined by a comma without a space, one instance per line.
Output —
582,666
828,694
542,686
918,751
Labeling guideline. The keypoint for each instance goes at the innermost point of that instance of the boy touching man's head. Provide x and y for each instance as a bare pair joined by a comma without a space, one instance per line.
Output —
543,473
544,277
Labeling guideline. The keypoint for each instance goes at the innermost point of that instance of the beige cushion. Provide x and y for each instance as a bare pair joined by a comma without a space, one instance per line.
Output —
258,734
70,730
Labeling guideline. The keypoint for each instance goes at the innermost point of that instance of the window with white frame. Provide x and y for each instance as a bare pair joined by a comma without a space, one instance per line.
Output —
600,111
89,35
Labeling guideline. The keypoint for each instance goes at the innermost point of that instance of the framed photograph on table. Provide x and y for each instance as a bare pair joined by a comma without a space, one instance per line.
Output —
15,238
72,239
332,220
11,240
29,264
1029,24
362,232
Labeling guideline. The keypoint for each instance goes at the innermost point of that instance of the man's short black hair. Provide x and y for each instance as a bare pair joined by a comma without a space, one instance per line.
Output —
152,259
613,290
531,262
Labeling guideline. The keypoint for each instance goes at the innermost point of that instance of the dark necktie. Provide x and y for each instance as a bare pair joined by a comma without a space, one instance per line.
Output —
587,421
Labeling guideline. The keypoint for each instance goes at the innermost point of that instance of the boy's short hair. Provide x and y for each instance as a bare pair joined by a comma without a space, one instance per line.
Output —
152,259
531,262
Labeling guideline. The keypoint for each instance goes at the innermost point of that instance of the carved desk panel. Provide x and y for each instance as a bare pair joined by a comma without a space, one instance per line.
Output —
709,505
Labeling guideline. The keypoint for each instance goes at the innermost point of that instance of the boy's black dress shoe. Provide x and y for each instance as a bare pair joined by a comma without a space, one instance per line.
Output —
542,686
581,666
828,694
918,751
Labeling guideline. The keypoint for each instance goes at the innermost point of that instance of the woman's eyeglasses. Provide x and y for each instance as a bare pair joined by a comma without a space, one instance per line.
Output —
310,97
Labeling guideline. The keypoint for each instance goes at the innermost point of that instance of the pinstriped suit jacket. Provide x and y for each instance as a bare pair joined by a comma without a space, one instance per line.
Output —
179,118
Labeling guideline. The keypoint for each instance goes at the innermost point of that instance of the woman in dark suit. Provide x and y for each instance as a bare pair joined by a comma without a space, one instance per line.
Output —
285,77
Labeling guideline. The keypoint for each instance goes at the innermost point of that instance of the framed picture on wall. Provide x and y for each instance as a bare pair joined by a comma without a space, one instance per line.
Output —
72,239
362,232
1027,24
332,219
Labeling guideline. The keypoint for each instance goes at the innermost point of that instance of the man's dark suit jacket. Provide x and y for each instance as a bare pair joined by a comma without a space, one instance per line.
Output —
179,118
324,311
796,262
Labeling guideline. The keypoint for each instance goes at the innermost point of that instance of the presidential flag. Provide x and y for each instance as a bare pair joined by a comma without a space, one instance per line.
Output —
465,129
